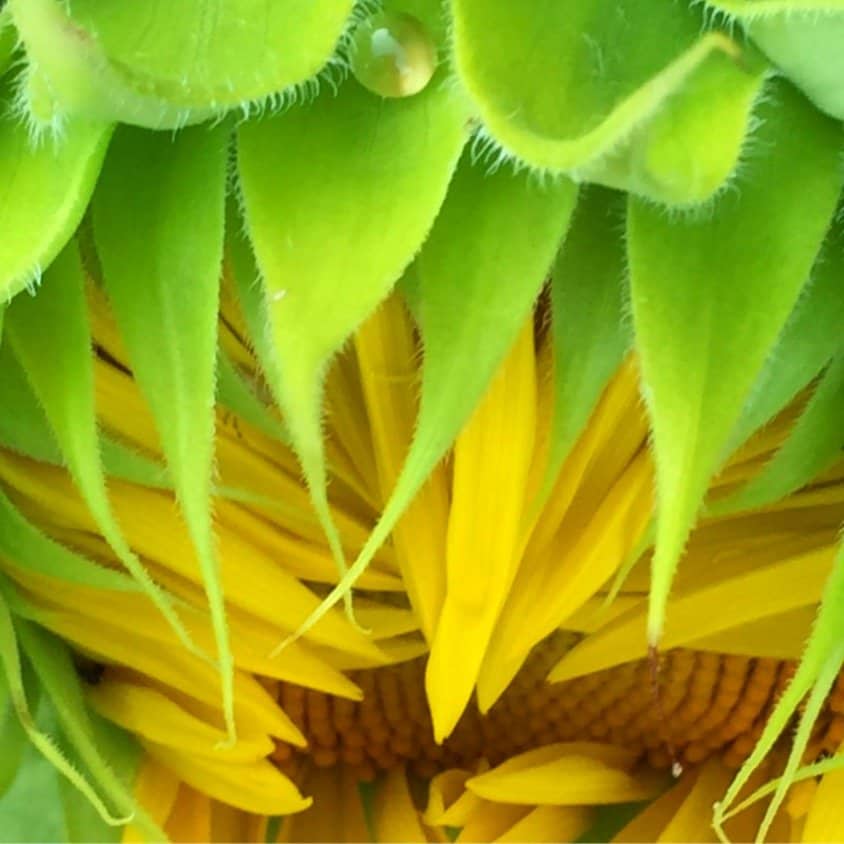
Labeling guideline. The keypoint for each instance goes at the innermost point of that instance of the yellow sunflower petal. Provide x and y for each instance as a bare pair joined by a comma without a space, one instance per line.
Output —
549,824
489,820
387,357
252,640
781,636
246,461
349,423
825,820
155,789
787,584
230,825
492,458
649,823
395,816
252,579
566,775
693,819
337,814
255,710
254,787
190,818
566,577
449,804
155,717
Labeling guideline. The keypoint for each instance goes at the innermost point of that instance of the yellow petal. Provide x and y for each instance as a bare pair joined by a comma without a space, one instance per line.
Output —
384,621
300,557
685,811
596,613
723,547
230,825
492,458
337,813
190,819
264,467
693,819
566,775
155,789
786,585
387,357
490,820
395,816
573,570
648,824
349,422
780,636
154,716
617,414
252,579
254,787
394,650
550,824
825,821
447,799
537,475
255,710
252,640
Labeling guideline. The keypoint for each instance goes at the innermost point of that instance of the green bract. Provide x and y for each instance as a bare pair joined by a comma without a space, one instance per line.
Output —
57,177
155,276
703,341
706,239
803,37
353,166
616,95
164,65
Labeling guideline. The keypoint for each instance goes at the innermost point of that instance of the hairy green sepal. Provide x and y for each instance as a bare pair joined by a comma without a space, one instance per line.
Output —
710,293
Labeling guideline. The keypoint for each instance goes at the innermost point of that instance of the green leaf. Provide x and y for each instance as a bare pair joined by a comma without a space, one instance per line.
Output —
803,37
234,393
121,461
161,64
23,819
26,547
28,432
163,284
710,294
590,330
812,446
46,185
690,148
636,97
123,753
12,739
26,429
51,339
479,272
251,296
806,343
11,664
53,665
321,186
816,674
8,40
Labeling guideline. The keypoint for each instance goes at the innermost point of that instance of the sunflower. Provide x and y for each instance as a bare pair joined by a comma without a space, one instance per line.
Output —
425,419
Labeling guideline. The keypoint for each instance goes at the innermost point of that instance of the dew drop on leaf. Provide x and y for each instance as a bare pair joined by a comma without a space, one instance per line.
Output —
393,54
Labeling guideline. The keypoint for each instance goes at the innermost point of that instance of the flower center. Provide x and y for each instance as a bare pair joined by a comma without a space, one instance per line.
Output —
710,703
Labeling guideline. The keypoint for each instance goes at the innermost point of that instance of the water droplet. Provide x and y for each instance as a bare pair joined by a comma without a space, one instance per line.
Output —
393,55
